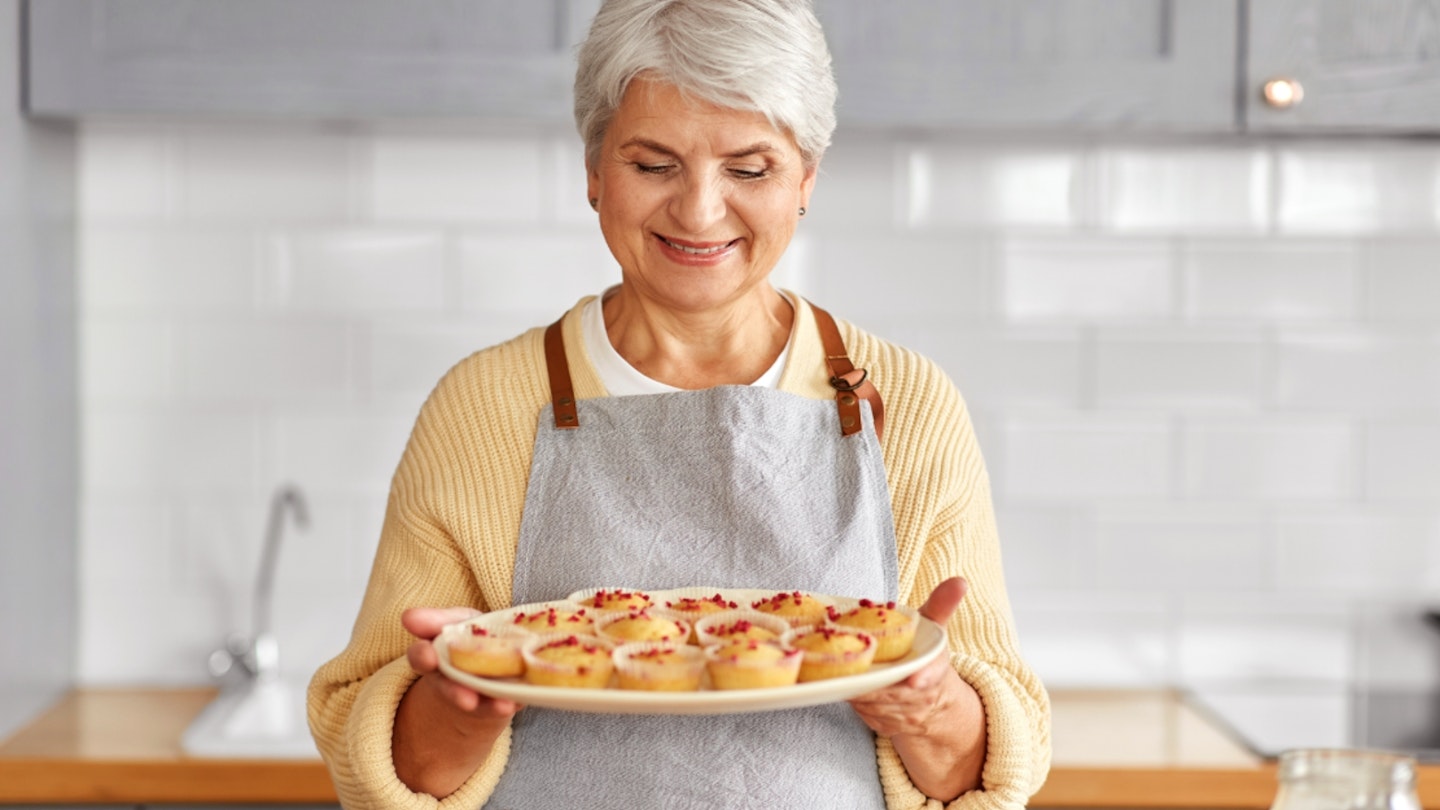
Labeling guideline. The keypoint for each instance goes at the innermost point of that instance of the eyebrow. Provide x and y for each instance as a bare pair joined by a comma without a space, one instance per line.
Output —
753,149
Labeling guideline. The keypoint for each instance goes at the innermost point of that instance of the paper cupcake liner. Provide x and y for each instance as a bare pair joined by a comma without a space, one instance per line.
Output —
727,672
894,640
797,621
493,655
593,674
704,628
583,597
820,665
608,619
634,672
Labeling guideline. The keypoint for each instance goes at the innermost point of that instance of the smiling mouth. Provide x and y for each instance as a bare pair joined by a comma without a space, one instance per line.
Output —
699,251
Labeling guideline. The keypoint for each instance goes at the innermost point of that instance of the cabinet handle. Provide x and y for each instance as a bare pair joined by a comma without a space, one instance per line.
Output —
1282,94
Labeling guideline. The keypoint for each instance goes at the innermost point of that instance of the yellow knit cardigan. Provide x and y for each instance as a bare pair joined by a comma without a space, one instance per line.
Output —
453,521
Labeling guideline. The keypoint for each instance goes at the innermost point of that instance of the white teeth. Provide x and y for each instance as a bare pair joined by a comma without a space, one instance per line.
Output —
696,251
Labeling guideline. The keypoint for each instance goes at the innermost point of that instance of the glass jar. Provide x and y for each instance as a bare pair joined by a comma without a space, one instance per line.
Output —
1345,779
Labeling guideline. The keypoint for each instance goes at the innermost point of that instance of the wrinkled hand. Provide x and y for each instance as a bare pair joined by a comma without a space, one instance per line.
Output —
911,706
425,624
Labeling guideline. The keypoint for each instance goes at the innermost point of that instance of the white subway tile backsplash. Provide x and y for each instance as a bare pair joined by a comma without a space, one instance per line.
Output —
1360,188
1402,278
263,175
165,270
1359,371
1402,461
337,453
865,277
1336,551
1002,366
565,192
159,450
1185,190
534,272
1080,457
1084,638
1225,545
994,186
359,271
1269,458
151,637
1046,546
1271,280
1227,638
1086,279
265,360
465,180
126,359
1179,369
126,540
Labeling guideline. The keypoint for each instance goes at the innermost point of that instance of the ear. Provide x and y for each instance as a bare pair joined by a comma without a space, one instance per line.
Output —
807,185
592,182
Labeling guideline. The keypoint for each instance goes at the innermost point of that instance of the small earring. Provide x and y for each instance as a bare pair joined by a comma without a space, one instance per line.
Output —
802,210
595,203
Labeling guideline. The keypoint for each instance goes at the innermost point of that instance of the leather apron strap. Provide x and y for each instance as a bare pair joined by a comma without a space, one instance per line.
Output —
851,384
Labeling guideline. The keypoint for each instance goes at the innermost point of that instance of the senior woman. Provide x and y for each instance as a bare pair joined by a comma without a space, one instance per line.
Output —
690,426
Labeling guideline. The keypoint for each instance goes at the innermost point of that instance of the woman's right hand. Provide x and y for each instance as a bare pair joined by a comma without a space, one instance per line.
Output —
443,730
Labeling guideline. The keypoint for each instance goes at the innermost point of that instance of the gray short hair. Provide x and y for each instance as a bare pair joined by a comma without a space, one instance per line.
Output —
768,56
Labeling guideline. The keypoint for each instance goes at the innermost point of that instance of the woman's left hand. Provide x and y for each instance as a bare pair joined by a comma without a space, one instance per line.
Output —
935,720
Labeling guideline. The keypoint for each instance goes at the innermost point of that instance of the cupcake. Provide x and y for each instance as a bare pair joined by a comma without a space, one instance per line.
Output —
730,625
555,617
490,652
752,664
612,600
892,625
575,661
798,608
650,624
833,652
664,666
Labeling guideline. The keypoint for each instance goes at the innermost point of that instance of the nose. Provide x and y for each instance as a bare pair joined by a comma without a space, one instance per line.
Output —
699,203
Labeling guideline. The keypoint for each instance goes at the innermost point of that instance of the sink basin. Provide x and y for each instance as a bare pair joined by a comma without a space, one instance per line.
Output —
261,719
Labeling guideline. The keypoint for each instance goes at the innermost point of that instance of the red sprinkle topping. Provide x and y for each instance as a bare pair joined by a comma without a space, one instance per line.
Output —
692,602
476,630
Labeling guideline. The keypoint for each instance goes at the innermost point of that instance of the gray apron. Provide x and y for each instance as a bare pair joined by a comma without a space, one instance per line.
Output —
733,486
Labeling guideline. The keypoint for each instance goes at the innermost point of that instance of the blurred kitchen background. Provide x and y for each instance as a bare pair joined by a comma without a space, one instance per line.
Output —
1199,336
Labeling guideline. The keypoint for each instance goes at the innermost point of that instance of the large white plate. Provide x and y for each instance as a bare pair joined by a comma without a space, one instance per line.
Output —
929,642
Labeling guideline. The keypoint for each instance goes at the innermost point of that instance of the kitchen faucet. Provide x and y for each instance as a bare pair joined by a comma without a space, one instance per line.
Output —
259,655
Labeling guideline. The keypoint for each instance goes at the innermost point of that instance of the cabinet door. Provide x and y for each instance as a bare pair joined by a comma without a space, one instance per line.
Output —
306,58
1371,65
1049,65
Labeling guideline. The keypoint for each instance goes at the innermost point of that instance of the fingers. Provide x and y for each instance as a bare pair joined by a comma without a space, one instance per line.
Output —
427,622
944,600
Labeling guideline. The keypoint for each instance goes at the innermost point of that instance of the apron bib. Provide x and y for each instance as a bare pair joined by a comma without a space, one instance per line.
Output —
731,486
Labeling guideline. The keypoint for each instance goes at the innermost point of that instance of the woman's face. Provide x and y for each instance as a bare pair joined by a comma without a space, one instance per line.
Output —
696,201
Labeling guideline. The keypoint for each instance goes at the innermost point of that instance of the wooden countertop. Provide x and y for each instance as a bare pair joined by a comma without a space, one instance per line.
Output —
1111,749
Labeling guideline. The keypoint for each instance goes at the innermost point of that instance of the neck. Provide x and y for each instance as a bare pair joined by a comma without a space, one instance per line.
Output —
729,345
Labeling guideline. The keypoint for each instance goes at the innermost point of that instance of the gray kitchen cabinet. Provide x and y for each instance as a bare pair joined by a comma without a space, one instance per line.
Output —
1046,65
1362,65
304,58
